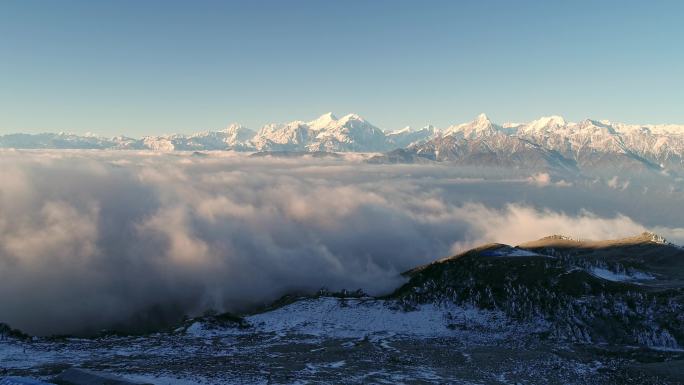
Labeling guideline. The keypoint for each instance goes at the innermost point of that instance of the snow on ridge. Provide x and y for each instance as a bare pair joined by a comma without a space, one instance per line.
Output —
357,317
508,251
546,122
364,317
620,276
322,121
657,143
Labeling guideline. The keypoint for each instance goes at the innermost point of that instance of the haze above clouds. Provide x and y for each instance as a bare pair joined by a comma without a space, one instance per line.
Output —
92,240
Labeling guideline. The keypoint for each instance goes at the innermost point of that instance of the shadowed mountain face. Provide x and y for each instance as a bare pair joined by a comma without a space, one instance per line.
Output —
495,150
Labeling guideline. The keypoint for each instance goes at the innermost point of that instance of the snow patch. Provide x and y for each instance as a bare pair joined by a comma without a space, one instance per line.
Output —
620,276
510,252
377,321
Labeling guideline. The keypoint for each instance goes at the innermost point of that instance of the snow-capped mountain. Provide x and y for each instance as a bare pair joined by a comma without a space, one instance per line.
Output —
480,127
553,142
495,149
233,137
58,140
547,141
326,133
350,133
659,145
589,142
406,137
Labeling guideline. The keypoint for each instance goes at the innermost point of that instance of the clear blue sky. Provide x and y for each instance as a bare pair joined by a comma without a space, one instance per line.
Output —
148,67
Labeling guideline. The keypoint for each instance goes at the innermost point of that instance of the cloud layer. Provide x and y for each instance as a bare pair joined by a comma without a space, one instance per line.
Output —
92,240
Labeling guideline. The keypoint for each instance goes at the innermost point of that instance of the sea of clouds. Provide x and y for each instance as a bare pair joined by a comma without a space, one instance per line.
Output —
114,239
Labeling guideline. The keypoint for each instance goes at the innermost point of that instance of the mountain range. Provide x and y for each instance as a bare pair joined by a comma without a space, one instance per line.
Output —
546,142
550,142
327,133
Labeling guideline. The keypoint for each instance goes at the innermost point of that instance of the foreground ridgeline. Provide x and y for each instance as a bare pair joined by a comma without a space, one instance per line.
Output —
557,310
548,141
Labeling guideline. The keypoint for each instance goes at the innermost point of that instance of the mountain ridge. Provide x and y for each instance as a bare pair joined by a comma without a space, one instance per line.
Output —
547,142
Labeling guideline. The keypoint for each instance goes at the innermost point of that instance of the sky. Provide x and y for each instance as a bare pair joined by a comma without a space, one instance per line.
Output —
151,67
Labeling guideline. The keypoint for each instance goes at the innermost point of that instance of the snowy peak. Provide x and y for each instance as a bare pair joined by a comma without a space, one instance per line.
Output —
329,121
401,131
594,124
237,133
481,126
409,130
481,123
406,136
352,116
328,116
233,127
483,119
350,133
326,133
323,121
546,123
